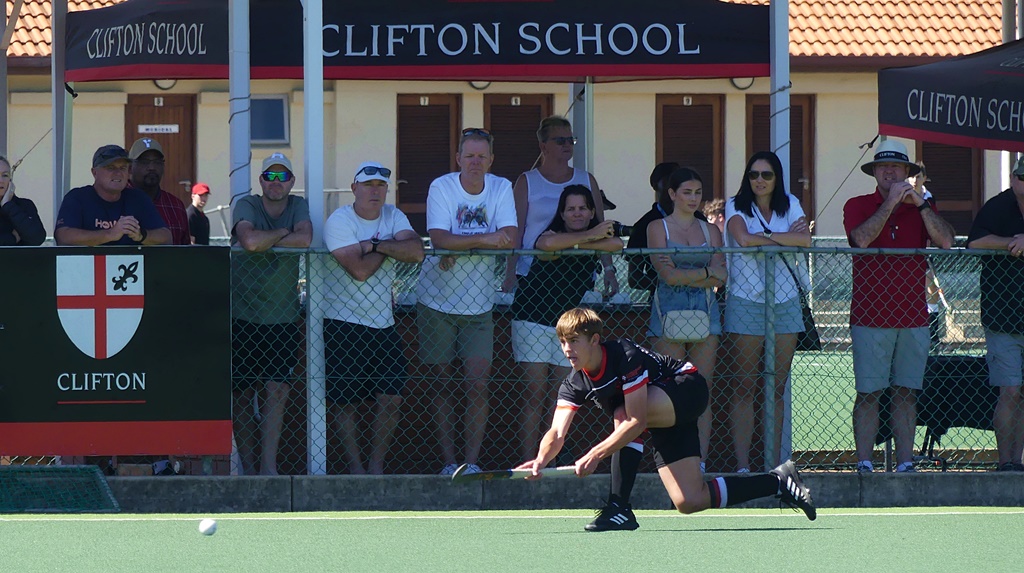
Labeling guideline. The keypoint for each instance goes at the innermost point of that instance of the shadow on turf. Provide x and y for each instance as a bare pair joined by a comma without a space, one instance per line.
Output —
675,530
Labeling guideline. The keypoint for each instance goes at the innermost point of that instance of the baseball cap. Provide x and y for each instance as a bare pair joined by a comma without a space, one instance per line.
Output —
108,154
278,159
363,175
200,189
1019,169
143,145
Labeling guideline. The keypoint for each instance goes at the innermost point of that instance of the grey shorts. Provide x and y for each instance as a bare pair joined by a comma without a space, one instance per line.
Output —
744,316
884,357
444,336
1005,357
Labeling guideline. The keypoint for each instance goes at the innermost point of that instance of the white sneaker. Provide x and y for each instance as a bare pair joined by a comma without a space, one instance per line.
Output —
449,469
906,468
743,471
471,469
865,467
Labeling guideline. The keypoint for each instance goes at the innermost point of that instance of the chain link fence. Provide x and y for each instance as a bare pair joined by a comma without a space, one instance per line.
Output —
311,394
374,419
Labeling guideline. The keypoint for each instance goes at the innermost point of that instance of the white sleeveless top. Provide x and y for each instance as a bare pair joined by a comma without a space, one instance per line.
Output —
542,202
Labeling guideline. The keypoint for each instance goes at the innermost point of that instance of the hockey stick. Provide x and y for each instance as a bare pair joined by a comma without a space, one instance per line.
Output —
460,475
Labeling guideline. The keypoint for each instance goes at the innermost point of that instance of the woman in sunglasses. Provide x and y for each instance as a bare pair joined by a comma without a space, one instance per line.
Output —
537,191
761,213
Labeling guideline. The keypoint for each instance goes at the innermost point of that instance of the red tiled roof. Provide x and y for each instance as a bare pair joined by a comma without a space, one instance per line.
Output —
32,33
823,33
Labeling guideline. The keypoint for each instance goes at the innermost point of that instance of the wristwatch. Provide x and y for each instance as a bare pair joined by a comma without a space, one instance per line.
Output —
767,233
373,244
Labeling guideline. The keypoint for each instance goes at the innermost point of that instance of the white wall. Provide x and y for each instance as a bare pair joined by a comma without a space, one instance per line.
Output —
360,123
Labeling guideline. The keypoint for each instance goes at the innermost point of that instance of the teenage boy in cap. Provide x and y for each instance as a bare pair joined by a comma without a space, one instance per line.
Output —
1000,226
365,357
198,222
265,307
108,212
147,157
888,318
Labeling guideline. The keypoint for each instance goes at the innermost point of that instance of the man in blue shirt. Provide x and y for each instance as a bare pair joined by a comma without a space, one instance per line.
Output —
107,212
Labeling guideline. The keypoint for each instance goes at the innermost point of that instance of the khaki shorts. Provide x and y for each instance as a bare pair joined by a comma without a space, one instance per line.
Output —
443,337
884,357
1005,357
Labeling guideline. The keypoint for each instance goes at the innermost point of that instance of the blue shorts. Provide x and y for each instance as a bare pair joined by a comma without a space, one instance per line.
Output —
744,316
683,298
1005,356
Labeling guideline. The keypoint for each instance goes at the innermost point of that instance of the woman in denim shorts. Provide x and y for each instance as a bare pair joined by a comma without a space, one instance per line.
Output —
685,280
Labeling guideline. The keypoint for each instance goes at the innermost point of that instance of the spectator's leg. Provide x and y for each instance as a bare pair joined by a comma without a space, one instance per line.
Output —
385,421
1008,422
478,373
245,429
747,350
270,426
903,411
704,355
345,424
785,348
865,423
443,409
535,380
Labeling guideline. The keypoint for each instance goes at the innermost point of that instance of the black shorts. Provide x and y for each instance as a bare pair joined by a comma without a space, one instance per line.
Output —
263,352
362,361
689,395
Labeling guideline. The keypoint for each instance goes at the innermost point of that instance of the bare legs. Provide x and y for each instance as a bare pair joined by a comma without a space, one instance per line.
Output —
477,374
903,416
748,350
382,431
1009,424
272,406
537,377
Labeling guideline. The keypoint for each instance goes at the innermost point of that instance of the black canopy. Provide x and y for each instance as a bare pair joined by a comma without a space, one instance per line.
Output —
519,40
970,101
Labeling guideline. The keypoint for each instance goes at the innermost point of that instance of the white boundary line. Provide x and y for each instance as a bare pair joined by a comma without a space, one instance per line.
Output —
442,516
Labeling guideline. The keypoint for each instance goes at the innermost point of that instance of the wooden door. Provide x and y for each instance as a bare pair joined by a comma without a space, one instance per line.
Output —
428,137
170,120
513,119
689,131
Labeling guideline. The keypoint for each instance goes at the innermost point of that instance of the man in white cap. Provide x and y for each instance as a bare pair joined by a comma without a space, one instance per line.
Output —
265,308
888,318
1000,226
365,357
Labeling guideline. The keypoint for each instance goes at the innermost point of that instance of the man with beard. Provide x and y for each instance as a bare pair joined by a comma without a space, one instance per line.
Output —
147,157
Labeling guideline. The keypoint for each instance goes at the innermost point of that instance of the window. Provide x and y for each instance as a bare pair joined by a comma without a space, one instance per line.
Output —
268,120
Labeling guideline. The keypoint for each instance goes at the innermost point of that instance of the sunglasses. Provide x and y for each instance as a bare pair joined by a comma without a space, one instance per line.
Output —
372,170
475,131
1019,176
563,140
766,175
276,176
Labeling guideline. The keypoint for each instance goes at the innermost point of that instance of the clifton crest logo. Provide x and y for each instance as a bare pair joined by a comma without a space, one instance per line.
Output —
99,301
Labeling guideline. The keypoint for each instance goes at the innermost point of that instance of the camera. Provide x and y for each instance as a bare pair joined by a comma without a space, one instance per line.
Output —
620,230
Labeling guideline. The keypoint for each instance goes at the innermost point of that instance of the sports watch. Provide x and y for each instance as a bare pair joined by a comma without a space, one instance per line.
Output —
767,233
373,244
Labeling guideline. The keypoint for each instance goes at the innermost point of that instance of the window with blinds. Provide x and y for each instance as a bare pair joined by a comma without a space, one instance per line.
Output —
428,137
689,132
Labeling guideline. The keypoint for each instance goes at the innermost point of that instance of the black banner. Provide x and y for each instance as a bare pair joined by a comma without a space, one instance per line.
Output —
115,351
971,101
553,40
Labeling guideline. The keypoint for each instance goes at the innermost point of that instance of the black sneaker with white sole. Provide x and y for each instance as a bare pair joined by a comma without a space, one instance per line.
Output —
614,517
792,491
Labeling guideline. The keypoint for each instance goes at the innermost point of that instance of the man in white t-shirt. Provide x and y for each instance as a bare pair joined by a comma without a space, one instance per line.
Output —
468,209
364,352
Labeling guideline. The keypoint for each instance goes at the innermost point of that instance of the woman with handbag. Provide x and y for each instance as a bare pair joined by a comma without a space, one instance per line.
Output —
761,213
555,284
684,313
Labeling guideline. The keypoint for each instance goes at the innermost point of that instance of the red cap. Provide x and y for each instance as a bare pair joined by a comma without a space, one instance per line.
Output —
200,189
